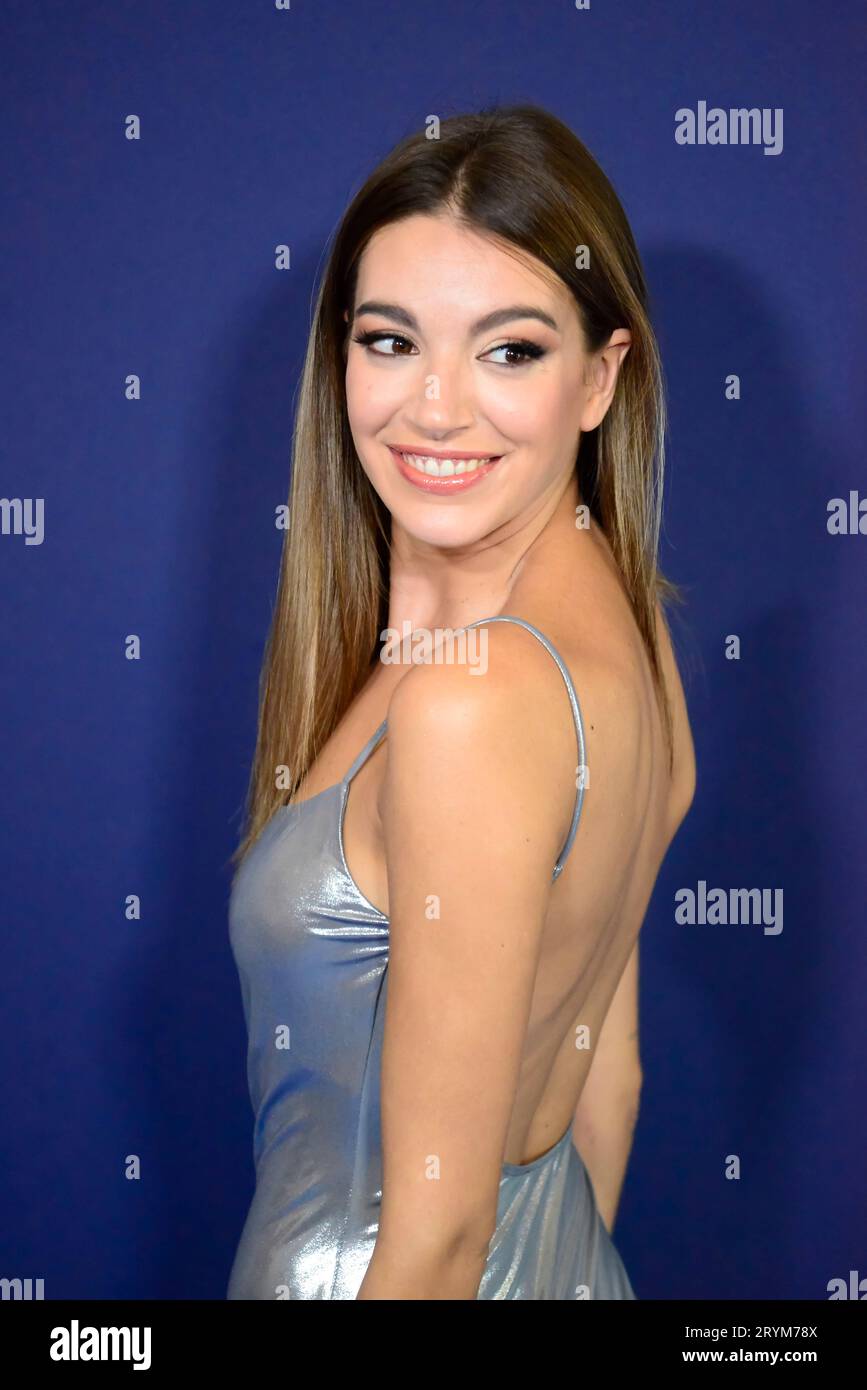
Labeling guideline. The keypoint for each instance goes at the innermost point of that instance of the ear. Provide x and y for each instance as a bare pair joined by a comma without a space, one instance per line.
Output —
603,372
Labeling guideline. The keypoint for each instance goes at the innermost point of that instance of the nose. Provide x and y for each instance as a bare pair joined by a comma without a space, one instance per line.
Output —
442,402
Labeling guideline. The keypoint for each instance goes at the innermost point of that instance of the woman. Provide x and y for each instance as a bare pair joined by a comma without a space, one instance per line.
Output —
439,977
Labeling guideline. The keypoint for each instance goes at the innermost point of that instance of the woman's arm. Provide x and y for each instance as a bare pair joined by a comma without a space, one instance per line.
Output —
608,1109
477,797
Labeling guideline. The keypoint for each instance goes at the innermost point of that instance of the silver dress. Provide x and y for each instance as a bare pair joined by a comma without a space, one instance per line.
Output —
312,957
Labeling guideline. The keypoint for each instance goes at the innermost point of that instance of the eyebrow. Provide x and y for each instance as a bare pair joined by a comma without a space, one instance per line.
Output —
482,325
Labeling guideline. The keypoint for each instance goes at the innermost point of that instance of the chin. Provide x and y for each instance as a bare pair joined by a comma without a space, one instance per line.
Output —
446,531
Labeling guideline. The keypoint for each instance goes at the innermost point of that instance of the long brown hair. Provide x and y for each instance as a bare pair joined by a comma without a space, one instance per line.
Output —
520,175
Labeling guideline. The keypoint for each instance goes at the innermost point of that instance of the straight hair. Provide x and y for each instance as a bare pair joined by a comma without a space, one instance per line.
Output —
519,175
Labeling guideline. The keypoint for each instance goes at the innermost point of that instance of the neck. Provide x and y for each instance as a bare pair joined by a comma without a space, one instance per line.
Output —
432,587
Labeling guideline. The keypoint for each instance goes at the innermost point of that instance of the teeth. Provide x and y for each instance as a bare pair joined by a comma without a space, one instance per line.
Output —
443,468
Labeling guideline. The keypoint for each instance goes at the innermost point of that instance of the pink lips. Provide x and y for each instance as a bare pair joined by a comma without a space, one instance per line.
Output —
458,482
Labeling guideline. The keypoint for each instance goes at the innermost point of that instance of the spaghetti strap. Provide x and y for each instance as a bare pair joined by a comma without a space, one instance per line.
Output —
579,726
370,745
378,734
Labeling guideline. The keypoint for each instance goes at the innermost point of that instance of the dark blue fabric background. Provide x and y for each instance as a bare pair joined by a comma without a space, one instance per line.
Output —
156,257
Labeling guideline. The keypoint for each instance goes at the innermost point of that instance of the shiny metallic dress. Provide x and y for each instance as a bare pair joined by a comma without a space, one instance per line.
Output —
312,957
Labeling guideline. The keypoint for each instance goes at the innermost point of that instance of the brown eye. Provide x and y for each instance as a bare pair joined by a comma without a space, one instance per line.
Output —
374,336
524,350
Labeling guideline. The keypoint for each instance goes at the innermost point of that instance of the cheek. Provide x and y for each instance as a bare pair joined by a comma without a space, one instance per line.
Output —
533,411
357,396
371,395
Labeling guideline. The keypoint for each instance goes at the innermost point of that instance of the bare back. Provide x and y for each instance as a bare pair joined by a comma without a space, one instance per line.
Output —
627,822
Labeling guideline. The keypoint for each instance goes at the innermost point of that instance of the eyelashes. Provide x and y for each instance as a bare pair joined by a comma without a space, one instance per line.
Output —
531,352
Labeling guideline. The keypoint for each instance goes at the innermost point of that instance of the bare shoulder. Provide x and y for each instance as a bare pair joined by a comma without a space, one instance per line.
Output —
504,686
507,725
513,682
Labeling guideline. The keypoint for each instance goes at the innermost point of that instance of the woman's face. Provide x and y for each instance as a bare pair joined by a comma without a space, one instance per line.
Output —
432,378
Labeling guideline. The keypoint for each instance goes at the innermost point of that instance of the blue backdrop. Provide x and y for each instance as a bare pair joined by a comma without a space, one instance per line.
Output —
155,257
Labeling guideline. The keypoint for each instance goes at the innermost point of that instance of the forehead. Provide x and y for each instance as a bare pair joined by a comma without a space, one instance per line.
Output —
430,260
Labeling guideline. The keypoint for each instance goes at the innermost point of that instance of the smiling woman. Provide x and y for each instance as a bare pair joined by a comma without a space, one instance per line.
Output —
438,971
513,405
